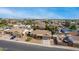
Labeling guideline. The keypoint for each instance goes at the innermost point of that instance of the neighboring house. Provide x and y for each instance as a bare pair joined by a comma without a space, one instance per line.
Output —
41,34
40,24
22,26
21,29
26,31
73,23
64,30
11,21
1,31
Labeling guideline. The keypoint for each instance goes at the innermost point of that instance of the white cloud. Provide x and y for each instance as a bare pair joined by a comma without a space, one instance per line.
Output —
11,13
5,11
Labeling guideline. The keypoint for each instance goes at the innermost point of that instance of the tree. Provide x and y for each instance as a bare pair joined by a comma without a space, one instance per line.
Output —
73,27
3,22
28,39
0,18
53,29
29,22
46,27
66,24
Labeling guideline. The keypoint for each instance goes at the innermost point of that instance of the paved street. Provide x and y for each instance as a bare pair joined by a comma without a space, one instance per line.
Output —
17,46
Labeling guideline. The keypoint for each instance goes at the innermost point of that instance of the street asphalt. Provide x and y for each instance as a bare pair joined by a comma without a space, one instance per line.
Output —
17,46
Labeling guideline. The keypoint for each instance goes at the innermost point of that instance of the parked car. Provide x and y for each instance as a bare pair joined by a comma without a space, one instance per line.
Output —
68,40
13,37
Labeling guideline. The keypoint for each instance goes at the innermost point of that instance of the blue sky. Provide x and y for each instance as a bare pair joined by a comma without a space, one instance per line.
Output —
40,12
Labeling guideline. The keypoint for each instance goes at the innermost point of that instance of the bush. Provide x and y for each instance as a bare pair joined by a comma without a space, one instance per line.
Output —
73,27
28,39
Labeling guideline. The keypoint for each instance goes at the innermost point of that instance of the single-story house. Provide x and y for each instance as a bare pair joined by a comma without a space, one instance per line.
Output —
41,34
40,24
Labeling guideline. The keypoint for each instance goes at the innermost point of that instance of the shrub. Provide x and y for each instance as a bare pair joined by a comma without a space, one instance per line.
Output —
73,27
28,39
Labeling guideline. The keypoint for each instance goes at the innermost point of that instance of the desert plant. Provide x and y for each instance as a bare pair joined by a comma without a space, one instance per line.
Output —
28,39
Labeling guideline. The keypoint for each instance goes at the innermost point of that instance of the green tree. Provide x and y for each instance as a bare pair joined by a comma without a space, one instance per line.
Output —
46,27
28,39
73,27
3,22
29,22
53,29
66,24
